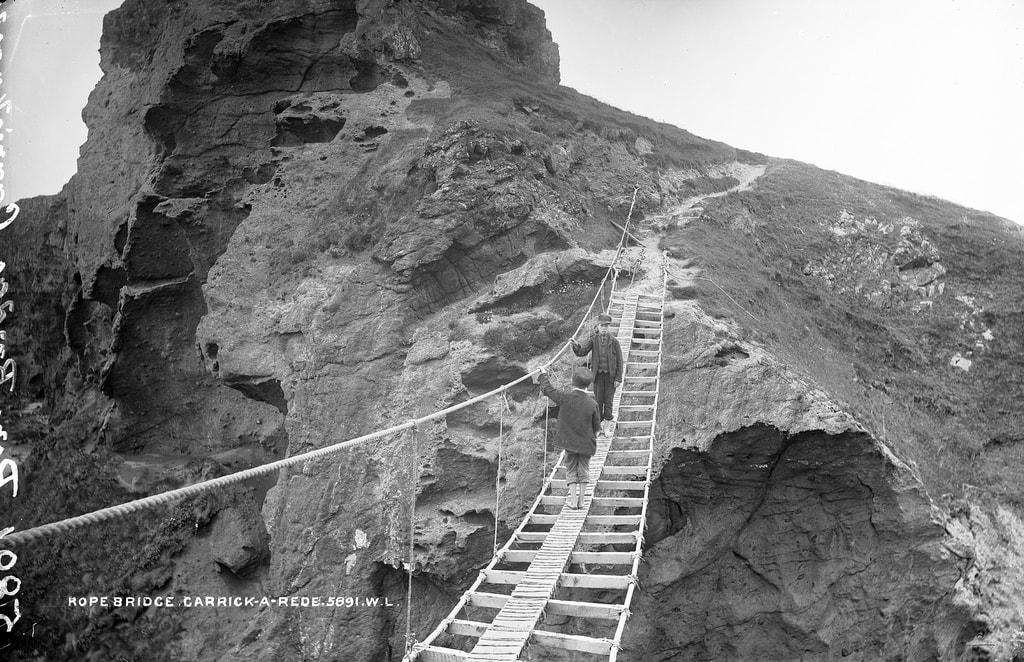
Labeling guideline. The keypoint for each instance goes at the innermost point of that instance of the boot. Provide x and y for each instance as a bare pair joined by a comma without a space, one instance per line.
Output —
571,499
580,490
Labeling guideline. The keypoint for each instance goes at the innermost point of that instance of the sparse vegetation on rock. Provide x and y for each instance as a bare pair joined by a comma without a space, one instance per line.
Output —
295,223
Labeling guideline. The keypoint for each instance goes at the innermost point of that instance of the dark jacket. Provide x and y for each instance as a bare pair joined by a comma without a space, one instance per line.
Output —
578,418
604,351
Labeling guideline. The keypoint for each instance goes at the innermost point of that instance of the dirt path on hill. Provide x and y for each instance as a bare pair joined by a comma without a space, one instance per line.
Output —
649,255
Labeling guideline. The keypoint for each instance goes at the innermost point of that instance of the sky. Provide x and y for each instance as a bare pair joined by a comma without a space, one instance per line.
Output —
50,63
924,95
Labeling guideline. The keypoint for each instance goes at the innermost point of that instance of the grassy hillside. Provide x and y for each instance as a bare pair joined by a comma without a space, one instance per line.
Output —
830,267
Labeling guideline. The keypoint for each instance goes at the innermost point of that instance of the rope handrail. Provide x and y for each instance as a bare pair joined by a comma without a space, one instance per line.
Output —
37,533
611,271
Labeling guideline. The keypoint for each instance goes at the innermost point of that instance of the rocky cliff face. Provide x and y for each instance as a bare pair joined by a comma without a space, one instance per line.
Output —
298,222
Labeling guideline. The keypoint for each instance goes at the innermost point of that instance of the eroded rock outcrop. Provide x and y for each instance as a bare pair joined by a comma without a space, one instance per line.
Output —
299,222
785,530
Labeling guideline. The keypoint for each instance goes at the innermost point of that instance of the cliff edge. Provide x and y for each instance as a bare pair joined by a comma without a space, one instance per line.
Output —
297,222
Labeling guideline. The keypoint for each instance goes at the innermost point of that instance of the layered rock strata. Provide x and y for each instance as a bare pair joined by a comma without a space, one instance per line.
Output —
300,222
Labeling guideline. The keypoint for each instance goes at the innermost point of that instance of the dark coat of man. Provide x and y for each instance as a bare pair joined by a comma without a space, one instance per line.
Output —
607,354
578,418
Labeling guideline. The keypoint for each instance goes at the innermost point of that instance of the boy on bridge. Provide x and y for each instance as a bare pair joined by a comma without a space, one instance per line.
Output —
606,363
578,423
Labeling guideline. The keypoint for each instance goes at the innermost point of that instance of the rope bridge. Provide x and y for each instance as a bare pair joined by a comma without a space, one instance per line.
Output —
550,536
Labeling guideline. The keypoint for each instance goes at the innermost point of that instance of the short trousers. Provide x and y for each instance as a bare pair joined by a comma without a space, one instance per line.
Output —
577,468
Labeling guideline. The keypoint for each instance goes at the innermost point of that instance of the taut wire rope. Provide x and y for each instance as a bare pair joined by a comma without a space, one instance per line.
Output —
721,290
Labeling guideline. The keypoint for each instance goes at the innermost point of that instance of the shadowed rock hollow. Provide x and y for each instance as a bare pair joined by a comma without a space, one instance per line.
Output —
779,547
298,222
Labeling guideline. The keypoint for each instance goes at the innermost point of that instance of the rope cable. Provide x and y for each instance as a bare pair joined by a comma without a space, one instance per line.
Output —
37,533
497,479
622,244
636,264
414,482
677,275
544,467
727,294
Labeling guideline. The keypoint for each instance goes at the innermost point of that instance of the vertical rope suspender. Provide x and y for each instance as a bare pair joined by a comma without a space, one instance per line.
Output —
497,477
502,406
414,470
544,467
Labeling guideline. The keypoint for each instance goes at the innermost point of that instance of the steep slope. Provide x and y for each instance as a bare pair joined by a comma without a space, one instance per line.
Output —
299,222
907,311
